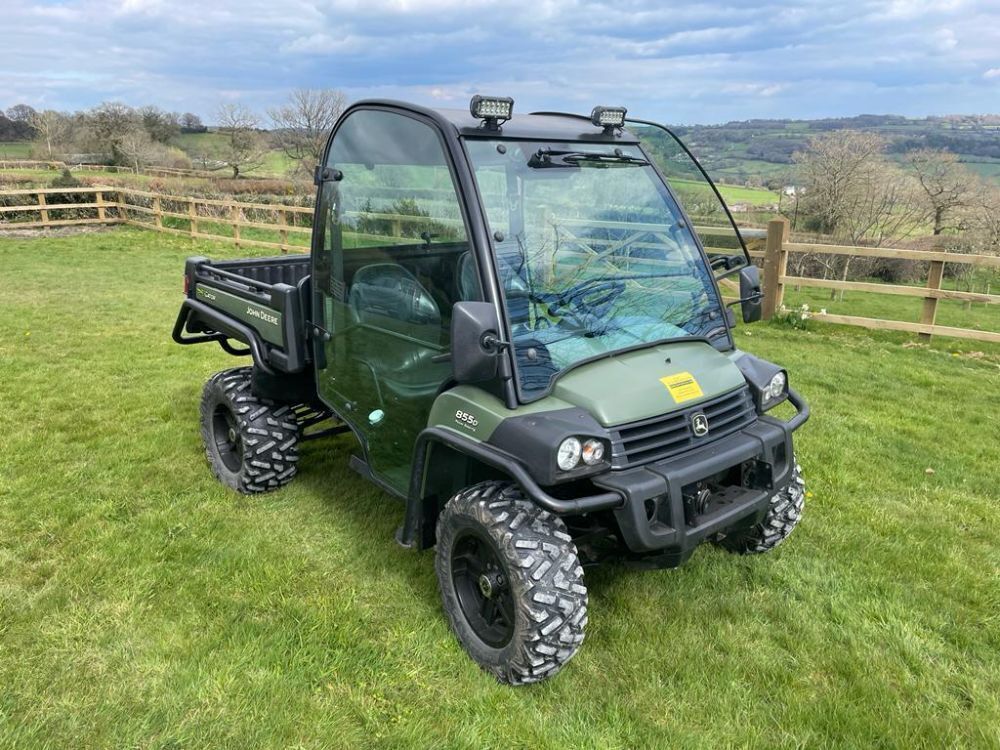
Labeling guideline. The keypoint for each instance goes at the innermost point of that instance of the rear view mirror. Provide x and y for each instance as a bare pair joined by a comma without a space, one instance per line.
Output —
750,294
475,342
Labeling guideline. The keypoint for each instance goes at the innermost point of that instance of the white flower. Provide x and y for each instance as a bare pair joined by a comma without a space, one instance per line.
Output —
822,311
805,316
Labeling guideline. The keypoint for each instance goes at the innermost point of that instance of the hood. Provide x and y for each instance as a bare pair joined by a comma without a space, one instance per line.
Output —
649,382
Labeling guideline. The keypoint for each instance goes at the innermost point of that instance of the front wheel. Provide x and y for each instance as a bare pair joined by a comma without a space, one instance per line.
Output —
783,514
511,583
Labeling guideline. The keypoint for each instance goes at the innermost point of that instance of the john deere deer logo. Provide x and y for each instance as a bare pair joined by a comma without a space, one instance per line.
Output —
699,423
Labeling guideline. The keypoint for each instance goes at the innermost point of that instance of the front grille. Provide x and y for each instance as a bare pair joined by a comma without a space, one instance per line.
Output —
653,439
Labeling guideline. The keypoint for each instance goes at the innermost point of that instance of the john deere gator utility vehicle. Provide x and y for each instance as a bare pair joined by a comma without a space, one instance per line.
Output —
523,328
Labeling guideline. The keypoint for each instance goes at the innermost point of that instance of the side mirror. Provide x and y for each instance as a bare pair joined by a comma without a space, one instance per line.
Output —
475,342
750,294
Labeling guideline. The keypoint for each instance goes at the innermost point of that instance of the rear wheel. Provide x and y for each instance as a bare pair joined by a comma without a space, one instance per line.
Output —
251,443
782,517
511,583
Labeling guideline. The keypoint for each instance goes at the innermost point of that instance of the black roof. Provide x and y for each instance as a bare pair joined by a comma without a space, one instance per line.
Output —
547,126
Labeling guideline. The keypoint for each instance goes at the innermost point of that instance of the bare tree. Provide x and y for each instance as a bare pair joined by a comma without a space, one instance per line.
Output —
945,182
986,221
244,147
854,192
302,125
830,168
136,148
52,131
882,203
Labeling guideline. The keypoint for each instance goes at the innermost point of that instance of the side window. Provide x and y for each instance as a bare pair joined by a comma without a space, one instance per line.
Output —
395,258
400,251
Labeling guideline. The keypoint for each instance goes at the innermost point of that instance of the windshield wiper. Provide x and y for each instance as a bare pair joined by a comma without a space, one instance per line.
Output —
547,157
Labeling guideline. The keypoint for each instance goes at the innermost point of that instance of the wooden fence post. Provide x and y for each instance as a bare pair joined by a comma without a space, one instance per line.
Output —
122,206
42,211
157,213
929,314
775,266
100,206
193,214
234,215
283,233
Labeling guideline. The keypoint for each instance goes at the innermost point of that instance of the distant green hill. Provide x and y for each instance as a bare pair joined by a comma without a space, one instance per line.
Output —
761,150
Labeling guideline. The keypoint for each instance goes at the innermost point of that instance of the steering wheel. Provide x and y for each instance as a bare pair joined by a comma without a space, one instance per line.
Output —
589,300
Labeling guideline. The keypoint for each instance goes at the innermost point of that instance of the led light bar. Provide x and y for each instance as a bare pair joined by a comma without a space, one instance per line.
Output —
608,118
492,109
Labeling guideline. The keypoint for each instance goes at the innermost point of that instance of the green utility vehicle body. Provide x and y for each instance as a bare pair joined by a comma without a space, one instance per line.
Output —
519,300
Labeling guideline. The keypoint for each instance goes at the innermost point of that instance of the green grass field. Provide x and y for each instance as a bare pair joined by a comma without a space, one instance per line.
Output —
734,194
988,170
276,162
15,150
143,605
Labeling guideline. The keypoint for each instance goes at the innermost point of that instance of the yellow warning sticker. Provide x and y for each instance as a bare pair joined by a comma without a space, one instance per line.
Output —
682,386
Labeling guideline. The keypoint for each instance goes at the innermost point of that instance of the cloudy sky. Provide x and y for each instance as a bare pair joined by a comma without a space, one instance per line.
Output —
675,60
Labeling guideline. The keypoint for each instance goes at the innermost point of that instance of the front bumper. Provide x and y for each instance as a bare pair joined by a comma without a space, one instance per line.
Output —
673,505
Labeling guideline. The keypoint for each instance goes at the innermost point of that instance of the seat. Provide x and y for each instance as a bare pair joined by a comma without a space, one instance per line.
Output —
403,330
388,296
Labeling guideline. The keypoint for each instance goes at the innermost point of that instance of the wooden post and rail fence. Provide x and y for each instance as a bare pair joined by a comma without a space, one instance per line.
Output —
776,278
196,217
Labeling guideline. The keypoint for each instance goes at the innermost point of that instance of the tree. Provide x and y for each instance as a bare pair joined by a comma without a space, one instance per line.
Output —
15,124
109,123
986,221
830,168
52,131
945,184
22,114
244,146
137,148
882,203
852,191
303,124
191,123
162,126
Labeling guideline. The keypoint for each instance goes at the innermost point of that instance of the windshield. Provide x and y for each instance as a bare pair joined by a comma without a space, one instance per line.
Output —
593,254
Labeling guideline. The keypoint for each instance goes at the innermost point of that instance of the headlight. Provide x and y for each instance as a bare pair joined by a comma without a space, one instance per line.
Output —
568,455
776,388
593,452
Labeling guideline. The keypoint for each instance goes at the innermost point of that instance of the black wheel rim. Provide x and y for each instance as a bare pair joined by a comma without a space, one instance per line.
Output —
483,588
226,435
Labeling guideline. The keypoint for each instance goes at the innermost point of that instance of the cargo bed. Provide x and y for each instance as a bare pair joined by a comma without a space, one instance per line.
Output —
260,302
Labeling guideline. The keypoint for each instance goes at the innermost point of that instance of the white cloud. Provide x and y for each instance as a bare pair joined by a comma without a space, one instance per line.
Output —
325,44
684,61
946,40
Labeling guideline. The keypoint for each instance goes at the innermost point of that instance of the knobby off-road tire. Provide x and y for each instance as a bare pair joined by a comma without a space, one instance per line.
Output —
528,577
251,443
783,515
